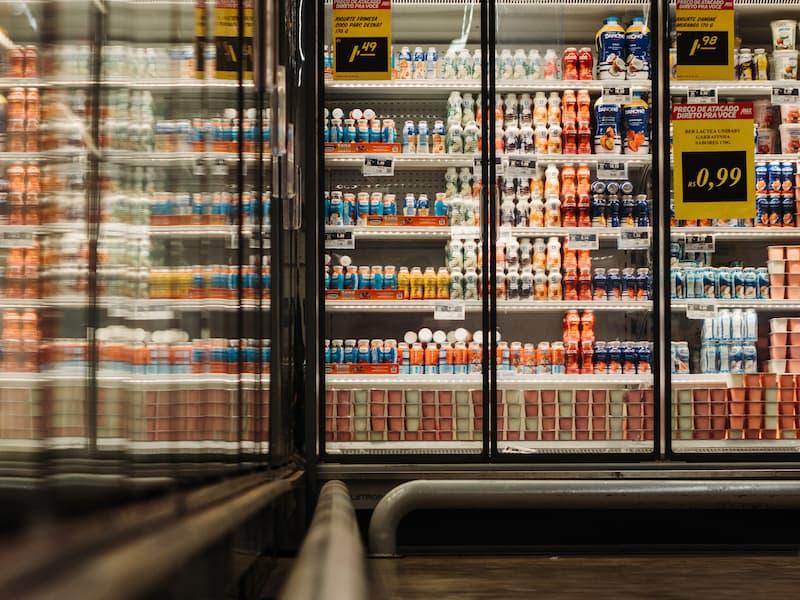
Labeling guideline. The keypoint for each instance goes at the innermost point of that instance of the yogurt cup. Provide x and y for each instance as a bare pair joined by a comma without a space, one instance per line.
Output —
767,141
784,34
790,138
784,65
790,113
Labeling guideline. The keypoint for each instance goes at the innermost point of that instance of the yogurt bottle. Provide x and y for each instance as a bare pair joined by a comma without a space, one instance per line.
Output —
637,49
636,121
607,138
610,43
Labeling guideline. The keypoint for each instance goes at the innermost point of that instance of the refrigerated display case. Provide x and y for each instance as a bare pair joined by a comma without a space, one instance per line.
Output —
733,383
136,227
504,209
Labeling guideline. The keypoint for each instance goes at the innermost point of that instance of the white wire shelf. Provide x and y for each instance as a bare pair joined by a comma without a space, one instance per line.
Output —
693,380
114,379
732,88
177,158
401,447
473,306
574,446
505,380
733,446
763,304
345,160
406,233
603,233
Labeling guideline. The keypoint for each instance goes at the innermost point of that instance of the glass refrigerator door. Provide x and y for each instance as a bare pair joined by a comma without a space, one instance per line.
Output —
182,341
572,266
45,144
735,273
403,311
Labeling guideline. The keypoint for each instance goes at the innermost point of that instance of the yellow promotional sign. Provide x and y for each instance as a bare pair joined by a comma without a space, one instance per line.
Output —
714,172
362,39
226,39
705,39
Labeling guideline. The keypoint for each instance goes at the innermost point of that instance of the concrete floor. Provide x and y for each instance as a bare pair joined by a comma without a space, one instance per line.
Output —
693,577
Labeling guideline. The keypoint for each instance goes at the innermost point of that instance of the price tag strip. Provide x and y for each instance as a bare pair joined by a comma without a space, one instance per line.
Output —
449,311
699,243
378,167
612,169
617,93
461,232
633,239
583,241
697,310
341,240
785,95
701,96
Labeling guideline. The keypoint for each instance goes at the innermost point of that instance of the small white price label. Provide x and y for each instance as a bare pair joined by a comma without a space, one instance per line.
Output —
16,239
699,243
633,239
701,96
156,312
220,167
521,168
785,95
378,167
449,311
612,169
617,94
465,232
199,168
341,240
697,310
583,241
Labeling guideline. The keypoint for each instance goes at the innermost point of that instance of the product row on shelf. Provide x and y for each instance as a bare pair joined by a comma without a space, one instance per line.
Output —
620,54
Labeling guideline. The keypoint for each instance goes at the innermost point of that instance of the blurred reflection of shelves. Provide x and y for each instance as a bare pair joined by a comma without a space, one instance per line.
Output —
19,156
737,88
181,380
426,87
401,447
740,233
127,82
148,159
763,304
574,446
406,306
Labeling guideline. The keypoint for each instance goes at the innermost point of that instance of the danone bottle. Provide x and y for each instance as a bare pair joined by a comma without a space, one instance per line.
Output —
636,121
637,47
607,139
610,42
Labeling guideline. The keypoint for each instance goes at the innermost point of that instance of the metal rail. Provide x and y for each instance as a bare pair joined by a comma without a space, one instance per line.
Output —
570,494
331,564
133,567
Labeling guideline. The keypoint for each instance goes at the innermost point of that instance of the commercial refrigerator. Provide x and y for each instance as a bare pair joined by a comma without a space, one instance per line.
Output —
144,150
498,178
632,321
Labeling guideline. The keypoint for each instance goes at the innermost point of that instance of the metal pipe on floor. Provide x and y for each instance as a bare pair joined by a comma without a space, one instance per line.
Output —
331,563
570,494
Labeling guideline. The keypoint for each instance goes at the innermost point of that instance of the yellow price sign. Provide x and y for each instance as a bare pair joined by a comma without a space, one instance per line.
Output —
362,34
705,39
714,171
